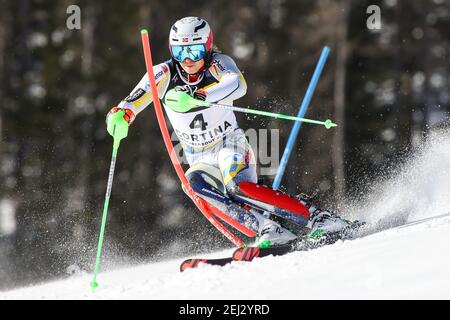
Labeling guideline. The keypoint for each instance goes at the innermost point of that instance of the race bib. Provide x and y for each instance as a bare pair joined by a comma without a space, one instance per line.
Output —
204,127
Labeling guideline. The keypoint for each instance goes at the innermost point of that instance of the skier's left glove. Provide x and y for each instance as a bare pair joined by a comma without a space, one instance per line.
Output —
183,99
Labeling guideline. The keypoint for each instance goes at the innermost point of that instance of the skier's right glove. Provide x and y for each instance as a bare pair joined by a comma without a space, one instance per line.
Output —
113,119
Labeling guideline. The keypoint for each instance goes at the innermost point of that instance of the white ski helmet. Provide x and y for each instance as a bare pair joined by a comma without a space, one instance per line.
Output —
190,37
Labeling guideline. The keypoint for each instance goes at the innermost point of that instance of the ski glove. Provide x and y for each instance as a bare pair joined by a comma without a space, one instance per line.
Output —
118,120
179,100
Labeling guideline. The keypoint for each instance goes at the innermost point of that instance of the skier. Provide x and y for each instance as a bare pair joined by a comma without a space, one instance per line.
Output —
216,149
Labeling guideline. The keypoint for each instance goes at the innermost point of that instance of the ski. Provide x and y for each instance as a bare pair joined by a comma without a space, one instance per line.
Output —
240,254
302,244
194,263
250,253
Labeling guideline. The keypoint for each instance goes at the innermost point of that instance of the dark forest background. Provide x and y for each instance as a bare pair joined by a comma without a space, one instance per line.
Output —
385,88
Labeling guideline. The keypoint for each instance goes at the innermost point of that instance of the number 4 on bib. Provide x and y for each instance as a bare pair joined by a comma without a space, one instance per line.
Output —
198,122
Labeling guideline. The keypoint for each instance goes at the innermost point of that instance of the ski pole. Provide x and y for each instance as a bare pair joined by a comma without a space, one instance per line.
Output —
120,131
296,128
180,98
327,123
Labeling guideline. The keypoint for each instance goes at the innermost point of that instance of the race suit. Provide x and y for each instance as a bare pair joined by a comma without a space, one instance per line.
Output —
210,136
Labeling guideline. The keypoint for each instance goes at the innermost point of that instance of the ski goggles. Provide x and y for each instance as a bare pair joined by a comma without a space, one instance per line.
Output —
194,52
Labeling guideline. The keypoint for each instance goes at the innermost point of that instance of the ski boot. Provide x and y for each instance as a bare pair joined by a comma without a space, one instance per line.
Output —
273,234
327,226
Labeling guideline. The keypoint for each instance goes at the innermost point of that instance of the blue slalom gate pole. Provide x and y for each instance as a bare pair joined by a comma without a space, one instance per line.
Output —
301,113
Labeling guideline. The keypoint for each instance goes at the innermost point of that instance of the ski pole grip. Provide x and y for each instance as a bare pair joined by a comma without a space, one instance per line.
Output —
118,127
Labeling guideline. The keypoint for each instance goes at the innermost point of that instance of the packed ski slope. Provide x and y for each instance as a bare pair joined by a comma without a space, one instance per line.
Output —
406,262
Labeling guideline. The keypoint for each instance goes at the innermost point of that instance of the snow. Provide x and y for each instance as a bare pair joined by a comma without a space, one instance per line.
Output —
402,263
406,262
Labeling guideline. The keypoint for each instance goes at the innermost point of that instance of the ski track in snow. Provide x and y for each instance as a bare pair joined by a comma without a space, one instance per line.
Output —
402,263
